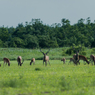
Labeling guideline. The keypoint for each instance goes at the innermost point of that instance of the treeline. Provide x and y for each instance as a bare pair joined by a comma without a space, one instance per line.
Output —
35,34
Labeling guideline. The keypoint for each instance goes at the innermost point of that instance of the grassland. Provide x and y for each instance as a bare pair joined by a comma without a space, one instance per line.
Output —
57,79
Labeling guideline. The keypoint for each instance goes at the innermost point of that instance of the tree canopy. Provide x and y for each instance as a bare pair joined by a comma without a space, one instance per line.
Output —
35,34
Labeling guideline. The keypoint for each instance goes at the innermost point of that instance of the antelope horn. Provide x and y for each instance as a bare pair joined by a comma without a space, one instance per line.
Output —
48,51
41,51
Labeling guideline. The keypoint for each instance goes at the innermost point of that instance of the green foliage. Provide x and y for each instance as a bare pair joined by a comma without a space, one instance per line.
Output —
35,34
74,48
93,50
27,54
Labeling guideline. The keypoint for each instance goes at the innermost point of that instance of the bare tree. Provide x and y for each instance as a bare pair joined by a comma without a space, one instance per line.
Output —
45,58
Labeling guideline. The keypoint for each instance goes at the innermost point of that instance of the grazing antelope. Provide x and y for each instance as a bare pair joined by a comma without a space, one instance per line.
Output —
19,59
45,58
6,60
71,60
81,57
92,58
63,59
32,60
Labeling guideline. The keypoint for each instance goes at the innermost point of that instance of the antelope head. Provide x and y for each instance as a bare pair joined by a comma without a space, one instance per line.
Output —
45,53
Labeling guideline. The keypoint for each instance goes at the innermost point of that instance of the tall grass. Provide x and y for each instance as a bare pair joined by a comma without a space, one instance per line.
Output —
27,54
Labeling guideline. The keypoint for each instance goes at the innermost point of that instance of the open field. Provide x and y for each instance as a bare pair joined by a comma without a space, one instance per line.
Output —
57,79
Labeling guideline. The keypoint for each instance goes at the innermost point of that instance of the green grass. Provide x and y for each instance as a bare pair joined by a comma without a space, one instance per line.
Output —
27,54
57,79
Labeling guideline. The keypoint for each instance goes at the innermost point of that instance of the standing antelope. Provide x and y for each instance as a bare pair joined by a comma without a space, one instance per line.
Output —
6,60
19,59
92,58
63,59
45,58
32,60
76,56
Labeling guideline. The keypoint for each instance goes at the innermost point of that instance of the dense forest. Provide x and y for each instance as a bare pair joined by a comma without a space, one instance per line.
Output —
35,34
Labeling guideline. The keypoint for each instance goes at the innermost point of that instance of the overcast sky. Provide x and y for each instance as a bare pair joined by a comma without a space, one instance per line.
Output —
13,12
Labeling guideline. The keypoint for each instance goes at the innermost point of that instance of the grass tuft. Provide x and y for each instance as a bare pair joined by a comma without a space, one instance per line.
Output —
37,69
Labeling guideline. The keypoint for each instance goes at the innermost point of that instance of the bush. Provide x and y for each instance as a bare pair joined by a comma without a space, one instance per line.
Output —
76,48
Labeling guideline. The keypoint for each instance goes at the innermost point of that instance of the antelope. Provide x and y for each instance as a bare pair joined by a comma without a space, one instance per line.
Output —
19,59
71,60
6,60
76,56
81,57
45,58
92,58
63,59
32,60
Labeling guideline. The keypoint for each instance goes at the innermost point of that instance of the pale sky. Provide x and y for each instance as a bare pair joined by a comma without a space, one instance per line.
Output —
13,12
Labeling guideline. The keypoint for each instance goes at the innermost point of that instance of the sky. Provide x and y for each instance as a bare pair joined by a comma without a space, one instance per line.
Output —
13,12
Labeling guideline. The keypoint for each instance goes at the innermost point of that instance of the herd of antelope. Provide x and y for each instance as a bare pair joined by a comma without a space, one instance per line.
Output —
76,58
20,62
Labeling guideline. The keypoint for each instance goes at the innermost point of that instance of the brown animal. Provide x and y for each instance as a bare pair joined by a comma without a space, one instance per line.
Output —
81,57
32,60
19,60
6,60
45,58
71,60
76,57
92,58
63,59
0,65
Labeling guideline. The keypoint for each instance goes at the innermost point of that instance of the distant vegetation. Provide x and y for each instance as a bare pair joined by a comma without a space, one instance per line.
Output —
35,34
54,53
